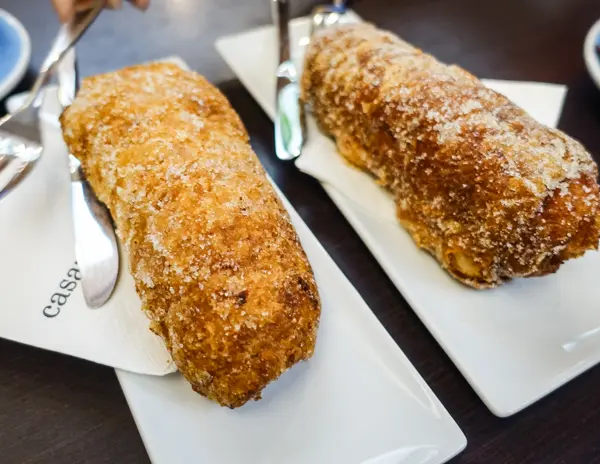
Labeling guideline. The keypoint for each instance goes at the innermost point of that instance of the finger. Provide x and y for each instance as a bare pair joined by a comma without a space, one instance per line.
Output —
141,4
82,5
114,4
64,9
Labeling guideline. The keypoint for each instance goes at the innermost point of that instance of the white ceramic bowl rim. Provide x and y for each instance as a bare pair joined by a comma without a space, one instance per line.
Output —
592,60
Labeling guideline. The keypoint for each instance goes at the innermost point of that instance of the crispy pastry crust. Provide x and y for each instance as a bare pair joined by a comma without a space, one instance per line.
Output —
478,183
215,259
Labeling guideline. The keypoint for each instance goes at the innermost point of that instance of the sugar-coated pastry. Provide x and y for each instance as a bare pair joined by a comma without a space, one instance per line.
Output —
216,262
482,186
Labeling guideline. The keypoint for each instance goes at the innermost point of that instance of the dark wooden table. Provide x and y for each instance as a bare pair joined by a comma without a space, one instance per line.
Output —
57,409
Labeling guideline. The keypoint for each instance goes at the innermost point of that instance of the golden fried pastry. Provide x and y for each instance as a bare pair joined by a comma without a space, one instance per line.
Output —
215,259
487,190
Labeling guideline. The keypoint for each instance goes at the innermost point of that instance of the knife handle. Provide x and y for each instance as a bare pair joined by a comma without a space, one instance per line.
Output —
281,18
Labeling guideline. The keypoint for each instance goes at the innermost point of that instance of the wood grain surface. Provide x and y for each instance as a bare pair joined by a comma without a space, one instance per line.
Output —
57,409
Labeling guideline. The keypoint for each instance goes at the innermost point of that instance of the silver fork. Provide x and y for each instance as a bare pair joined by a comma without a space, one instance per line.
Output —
20,139
96,249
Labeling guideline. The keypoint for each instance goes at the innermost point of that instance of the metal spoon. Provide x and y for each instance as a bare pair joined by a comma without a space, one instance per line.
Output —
324,16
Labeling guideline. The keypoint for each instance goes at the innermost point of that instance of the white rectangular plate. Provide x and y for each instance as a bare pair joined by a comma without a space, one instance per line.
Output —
358,400
514,344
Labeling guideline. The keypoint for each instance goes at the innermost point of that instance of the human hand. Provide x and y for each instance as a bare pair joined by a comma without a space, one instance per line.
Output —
67,8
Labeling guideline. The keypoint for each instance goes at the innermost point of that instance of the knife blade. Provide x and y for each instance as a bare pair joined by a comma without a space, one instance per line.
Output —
96,249
290,118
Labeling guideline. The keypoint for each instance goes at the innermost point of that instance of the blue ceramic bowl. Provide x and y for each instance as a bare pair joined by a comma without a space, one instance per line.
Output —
591,52
15,52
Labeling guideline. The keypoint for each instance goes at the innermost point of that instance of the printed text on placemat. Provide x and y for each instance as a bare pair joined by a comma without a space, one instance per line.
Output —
60,297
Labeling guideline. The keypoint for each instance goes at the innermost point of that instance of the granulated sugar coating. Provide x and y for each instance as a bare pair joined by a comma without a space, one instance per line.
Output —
216,261
491,193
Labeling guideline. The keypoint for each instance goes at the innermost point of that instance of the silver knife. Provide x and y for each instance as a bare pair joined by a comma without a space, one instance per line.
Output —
289,119
96,249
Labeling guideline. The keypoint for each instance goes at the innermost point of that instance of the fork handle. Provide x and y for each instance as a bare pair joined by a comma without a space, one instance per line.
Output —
70,33
67,37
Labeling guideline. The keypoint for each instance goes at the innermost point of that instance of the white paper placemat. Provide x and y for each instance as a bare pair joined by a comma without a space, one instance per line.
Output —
42,304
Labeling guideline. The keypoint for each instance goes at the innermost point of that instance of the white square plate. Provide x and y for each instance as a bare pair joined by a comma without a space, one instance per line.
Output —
358,400
514,344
